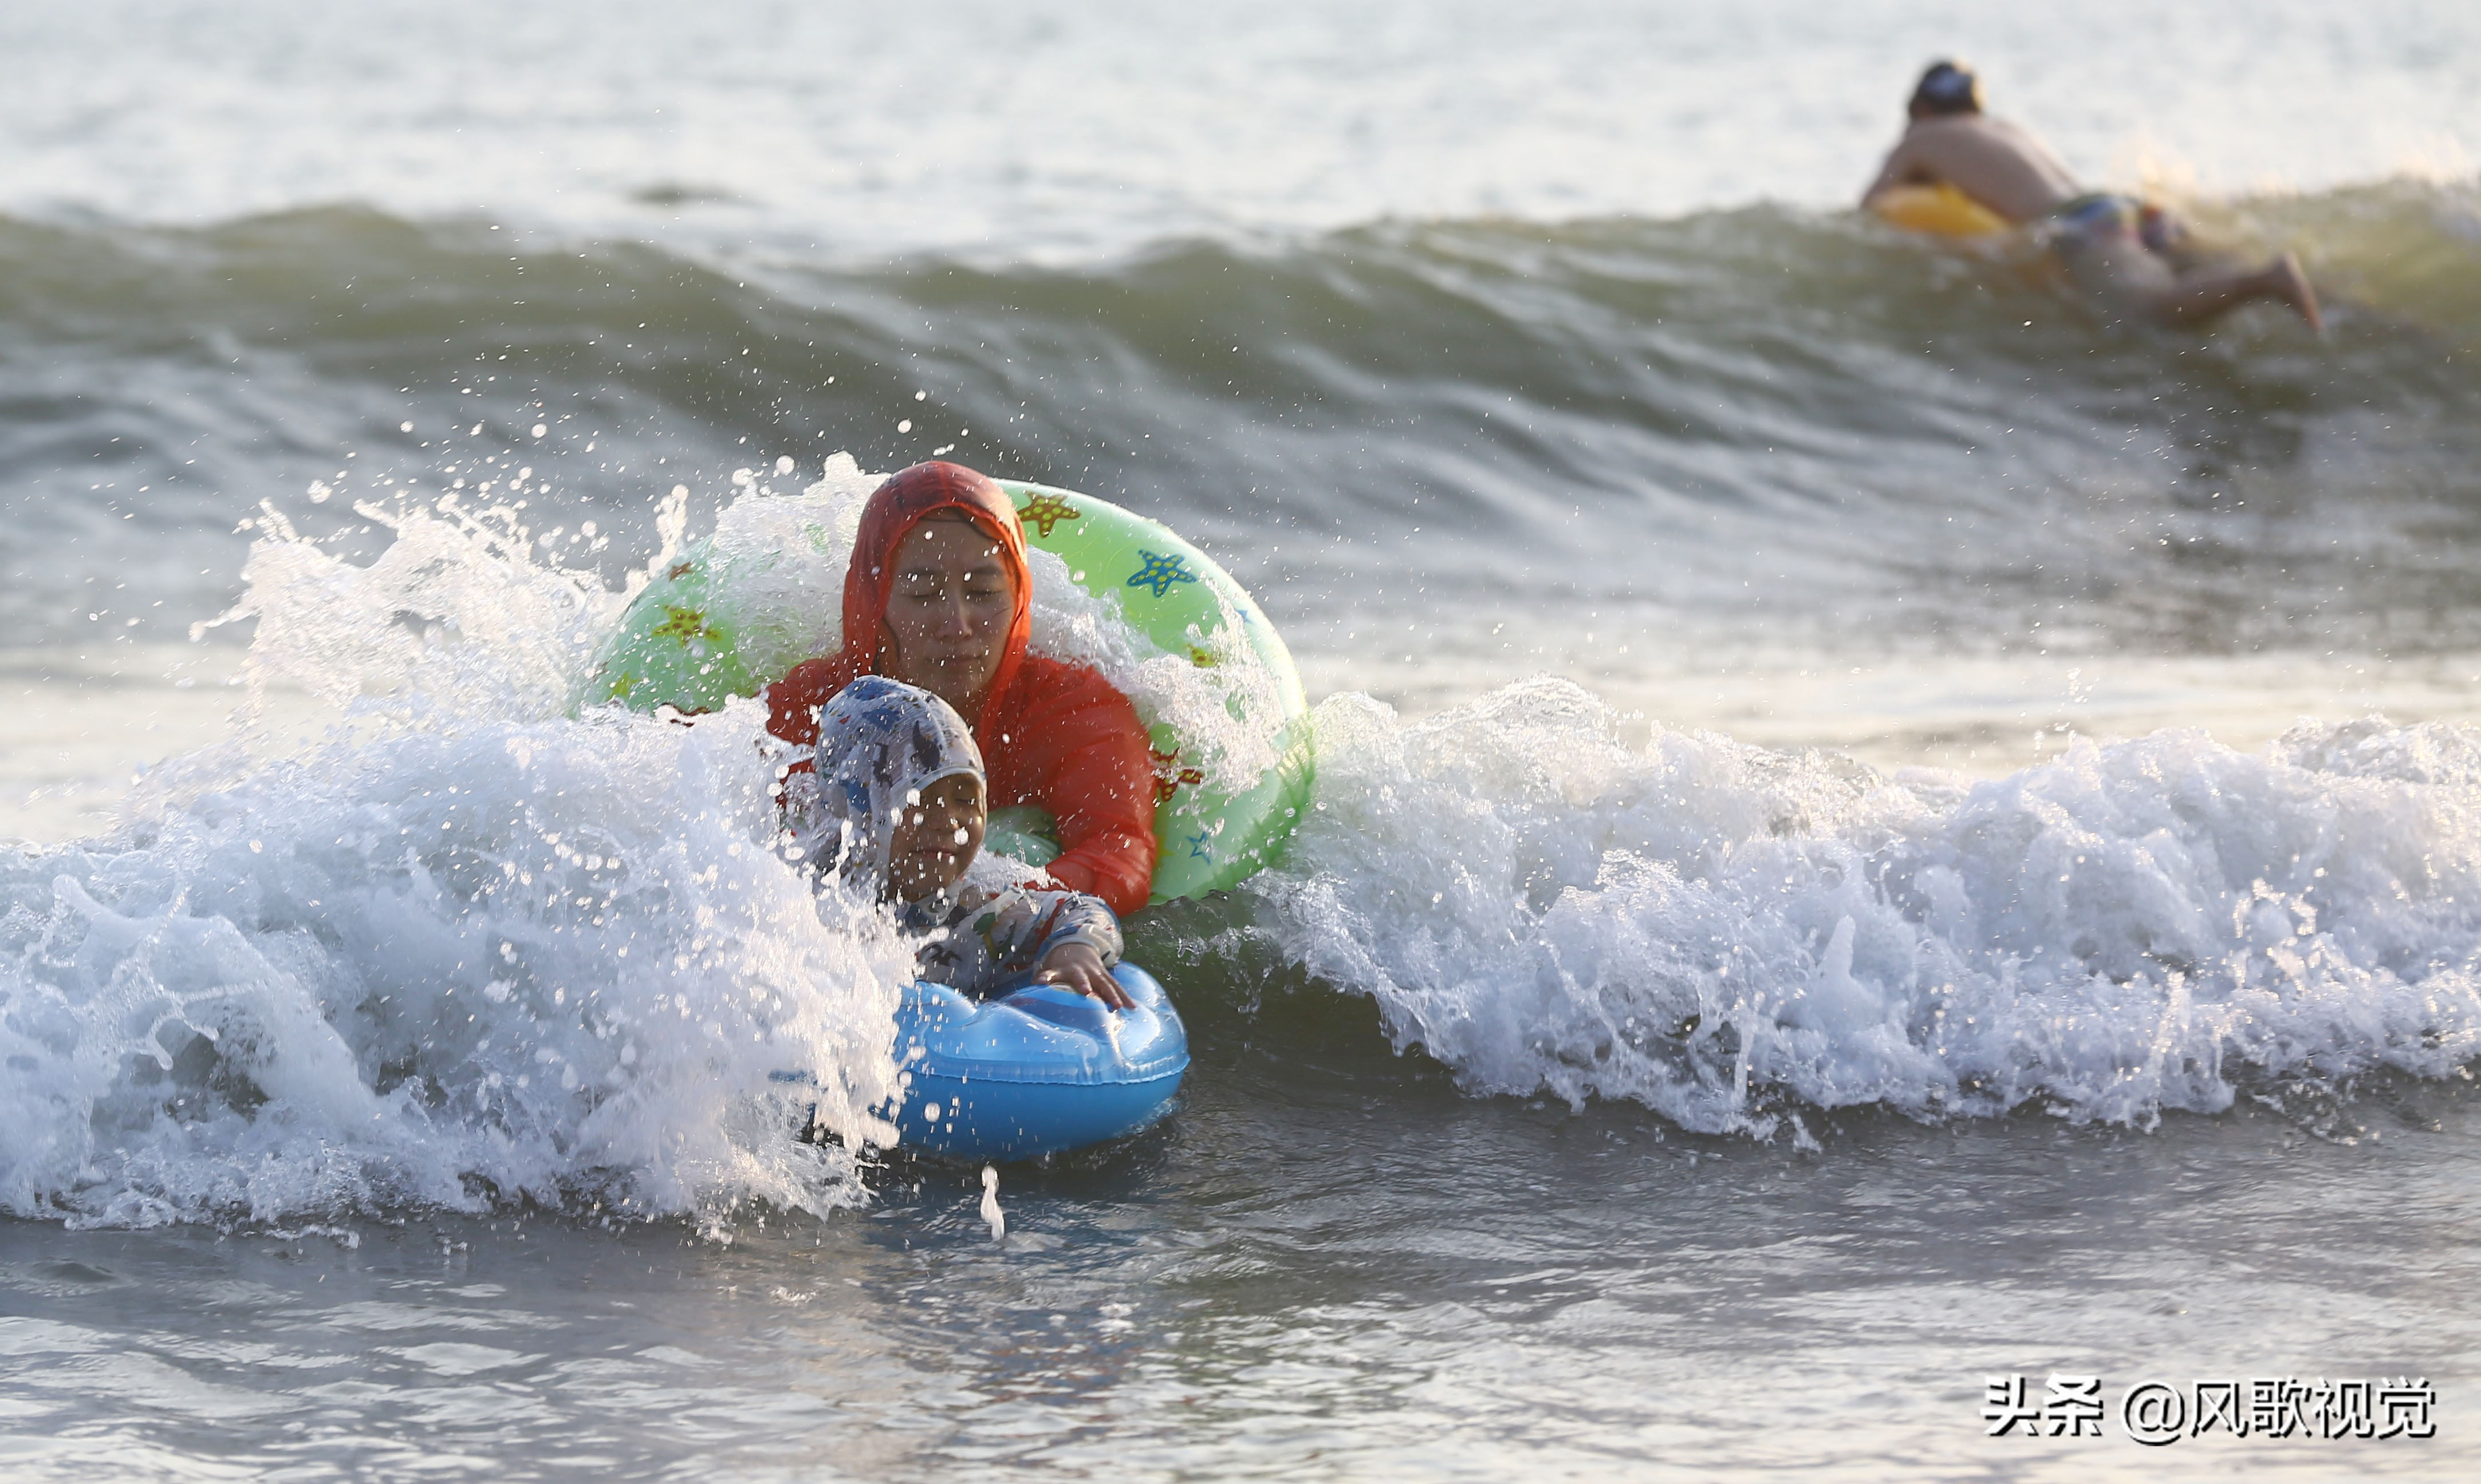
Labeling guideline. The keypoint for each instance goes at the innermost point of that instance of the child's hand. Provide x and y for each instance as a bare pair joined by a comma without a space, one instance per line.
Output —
1076,966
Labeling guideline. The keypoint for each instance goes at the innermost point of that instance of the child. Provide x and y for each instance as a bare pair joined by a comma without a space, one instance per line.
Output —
899,812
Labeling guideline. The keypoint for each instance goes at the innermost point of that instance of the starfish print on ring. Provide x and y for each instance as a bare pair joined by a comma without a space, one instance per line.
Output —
686,624
1161,572
1044,511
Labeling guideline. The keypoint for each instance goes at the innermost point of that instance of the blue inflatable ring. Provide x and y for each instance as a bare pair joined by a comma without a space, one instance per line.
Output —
1035,1072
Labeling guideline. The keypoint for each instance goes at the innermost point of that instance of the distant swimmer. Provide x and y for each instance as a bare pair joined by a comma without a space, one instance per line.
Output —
2117,247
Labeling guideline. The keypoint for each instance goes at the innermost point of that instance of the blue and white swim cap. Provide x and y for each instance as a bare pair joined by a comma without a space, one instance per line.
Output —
1947,87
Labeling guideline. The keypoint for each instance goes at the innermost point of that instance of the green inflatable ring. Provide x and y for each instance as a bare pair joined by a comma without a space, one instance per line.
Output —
687,642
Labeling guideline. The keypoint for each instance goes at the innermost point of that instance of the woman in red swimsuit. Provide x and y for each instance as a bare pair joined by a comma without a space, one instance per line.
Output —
939,596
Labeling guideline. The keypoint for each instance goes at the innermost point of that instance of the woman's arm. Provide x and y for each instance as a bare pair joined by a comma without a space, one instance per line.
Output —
1082,755
1107,833
793,703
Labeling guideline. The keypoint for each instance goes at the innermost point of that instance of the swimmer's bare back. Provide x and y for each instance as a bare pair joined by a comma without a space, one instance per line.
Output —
2000,165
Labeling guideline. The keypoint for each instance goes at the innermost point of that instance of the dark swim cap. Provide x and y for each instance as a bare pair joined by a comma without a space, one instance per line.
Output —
1947,87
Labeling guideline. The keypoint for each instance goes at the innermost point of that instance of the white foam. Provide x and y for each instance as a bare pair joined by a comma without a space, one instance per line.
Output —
462,950
1722,932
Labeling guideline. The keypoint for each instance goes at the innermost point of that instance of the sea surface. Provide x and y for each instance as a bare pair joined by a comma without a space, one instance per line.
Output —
1876,832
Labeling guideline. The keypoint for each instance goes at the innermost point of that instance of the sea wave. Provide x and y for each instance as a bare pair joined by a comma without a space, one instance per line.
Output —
1733,935
1790,421
470,948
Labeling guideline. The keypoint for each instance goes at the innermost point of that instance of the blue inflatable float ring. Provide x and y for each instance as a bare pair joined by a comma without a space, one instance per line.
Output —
1035,1072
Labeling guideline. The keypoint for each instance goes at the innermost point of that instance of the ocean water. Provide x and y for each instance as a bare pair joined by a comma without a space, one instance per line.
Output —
1875,831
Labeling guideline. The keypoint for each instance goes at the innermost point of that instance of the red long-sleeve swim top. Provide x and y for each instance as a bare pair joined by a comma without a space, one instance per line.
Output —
1053,734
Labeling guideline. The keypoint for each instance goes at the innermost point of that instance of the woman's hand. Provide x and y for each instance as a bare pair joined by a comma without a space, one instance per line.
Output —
1076,966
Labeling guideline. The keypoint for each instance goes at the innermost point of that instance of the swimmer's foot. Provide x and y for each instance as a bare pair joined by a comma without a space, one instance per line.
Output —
2291,285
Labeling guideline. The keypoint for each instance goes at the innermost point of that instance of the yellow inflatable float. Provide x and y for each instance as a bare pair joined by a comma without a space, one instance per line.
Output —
1941,211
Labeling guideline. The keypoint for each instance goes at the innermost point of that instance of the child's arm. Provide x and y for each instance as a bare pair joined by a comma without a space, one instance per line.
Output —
1076,966
1070,939
1078,952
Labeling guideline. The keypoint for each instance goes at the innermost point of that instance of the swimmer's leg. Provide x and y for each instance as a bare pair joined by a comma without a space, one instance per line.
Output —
2198,296
2124,272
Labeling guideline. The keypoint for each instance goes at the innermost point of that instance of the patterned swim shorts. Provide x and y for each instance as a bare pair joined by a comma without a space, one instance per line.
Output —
2104,214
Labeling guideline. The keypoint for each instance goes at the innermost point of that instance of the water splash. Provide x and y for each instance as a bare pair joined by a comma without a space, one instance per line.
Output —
461,950
1725,933
991,1212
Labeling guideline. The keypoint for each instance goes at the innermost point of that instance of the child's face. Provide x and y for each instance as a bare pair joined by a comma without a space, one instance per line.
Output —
937,838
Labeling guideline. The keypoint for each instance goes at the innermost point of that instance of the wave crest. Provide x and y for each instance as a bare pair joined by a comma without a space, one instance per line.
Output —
1728,934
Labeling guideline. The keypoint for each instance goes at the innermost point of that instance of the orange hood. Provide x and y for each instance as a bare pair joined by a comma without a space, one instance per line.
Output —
909,497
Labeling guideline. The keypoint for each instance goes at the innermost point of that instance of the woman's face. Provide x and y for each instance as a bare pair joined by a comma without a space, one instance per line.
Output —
949,603
937,838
